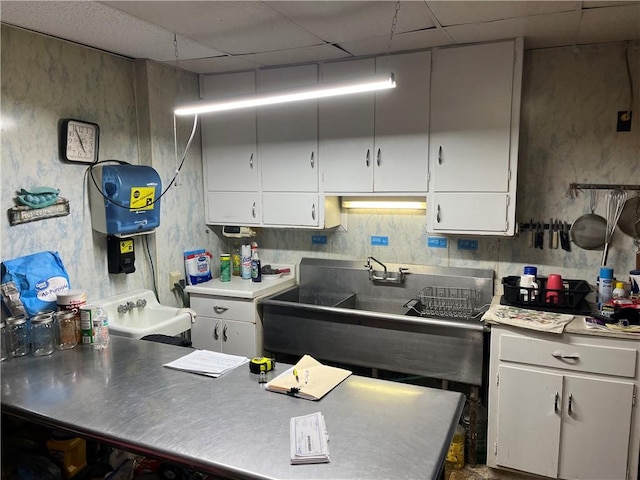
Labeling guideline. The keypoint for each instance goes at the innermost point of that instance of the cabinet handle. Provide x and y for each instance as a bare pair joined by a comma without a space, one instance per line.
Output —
215,331
368,158
378,158
224,333
220,310
562,356
570,403
440,155
253,210
251,162
438,214
312,159
313,211
555,404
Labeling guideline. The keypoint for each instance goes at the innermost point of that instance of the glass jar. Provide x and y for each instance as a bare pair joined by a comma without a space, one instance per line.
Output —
42,335
17,336
3,342
66,329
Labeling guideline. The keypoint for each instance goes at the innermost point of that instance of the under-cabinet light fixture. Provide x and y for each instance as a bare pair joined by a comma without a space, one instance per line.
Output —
319,90
414,203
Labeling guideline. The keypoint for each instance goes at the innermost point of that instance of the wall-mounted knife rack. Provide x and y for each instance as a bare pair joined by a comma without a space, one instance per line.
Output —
558,234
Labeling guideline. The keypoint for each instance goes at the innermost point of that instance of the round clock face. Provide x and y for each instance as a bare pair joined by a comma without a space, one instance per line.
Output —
80,141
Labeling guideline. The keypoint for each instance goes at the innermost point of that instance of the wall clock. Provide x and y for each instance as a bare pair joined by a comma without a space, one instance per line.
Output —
79,141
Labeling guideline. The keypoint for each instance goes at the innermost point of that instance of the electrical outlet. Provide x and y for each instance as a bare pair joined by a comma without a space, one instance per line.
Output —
624,121
174,277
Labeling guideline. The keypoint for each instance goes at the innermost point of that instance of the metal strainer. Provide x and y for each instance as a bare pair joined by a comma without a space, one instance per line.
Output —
590,230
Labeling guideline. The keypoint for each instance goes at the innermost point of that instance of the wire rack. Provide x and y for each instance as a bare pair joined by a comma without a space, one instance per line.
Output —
448,302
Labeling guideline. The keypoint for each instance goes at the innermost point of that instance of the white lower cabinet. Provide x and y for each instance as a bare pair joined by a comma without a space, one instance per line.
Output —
227,325
563,406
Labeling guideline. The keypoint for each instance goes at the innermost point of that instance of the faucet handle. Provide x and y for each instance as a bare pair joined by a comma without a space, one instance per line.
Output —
141,303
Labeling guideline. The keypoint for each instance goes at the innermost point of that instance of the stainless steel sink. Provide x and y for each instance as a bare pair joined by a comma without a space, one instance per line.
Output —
336,313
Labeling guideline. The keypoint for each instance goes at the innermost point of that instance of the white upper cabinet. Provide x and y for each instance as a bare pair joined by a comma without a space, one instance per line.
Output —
346,131
229,138
377,142
475,113
288,133
402,124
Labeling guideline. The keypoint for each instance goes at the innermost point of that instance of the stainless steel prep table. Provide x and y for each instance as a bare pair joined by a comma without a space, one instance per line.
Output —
229,426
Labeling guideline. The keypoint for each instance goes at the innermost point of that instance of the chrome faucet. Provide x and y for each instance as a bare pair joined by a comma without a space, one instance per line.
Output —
370,267
386,277
127,307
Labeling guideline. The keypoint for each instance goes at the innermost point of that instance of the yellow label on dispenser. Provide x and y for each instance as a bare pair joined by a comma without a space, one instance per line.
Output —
142,198
126,246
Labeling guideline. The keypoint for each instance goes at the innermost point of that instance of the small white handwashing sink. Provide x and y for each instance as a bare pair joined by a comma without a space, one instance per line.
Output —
134,320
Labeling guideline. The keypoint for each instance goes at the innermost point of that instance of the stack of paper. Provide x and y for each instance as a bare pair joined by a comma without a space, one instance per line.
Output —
308,379
206,362
309,441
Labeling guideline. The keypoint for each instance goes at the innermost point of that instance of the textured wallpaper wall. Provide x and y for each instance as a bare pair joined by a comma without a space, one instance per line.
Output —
44,80
569,105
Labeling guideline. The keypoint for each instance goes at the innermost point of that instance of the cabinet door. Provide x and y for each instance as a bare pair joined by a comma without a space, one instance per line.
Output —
471,100
469,213
288,133
229,140
295,209
402,124
528,420
206,334
346,131
596,428
235,208
239,338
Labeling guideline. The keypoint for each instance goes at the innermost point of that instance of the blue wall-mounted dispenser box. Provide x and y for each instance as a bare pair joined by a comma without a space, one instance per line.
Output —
124,199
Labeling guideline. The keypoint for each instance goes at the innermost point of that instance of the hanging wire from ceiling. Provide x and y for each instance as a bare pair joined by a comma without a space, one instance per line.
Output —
176,178
394,24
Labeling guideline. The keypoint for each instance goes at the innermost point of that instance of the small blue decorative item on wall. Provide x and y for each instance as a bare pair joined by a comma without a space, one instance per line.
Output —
38,203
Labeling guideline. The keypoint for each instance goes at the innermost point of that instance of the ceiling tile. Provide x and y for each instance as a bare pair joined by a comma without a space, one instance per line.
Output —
342,21
99,26
457,13
297,55
221,64
433,37
232,27
540,31
611,24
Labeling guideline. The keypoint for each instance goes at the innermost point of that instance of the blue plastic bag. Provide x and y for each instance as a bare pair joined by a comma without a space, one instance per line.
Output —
31,283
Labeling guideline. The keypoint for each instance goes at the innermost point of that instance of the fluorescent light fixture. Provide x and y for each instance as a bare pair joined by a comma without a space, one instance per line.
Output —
415,203
319,90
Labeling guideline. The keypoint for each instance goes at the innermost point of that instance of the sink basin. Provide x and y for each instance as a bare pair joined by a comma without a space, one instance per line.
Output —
153,318
374,305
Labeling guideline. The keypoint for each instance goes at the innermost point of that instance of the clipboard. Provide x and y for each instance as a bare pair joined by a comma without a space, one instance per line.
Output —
314,380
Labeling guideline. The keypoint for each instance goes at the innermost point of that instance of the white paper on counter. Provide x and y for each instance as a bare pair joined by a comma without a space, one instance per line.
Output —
206,362
309,442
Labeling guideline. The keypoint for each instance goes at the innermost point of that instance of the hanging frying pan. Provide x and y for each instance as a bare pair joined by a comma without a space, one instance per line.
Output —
629,223
590,230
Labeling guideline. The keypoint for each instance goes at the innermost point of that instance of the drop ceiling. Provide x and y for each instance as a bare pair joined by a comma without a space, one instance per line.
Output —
221,36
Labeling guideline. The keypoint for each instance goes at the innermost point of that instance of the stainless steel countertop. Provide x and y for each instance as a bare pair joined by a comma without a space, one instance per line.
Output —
229,426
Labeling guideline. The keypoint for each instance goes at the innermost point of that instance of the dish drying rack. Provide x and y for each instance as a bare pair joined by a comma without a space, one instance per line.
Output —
449,302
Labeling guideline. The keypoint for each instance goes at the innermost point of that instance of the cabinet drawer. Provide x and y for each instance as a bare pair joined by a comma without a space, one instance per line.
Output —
224,307
577,357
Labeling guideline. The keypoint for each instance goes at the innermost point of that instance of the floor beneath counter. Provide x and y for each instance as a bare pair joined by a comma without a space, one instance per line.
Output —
482,472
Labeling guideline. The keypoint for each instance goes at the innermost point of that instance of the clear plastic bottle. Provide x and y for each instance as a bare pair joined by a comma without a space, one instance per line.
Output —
100,329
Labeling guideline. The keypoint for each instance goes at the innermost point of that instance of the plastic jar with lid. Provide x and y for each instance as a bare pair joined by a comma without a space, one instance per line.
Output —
42,335
17,336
